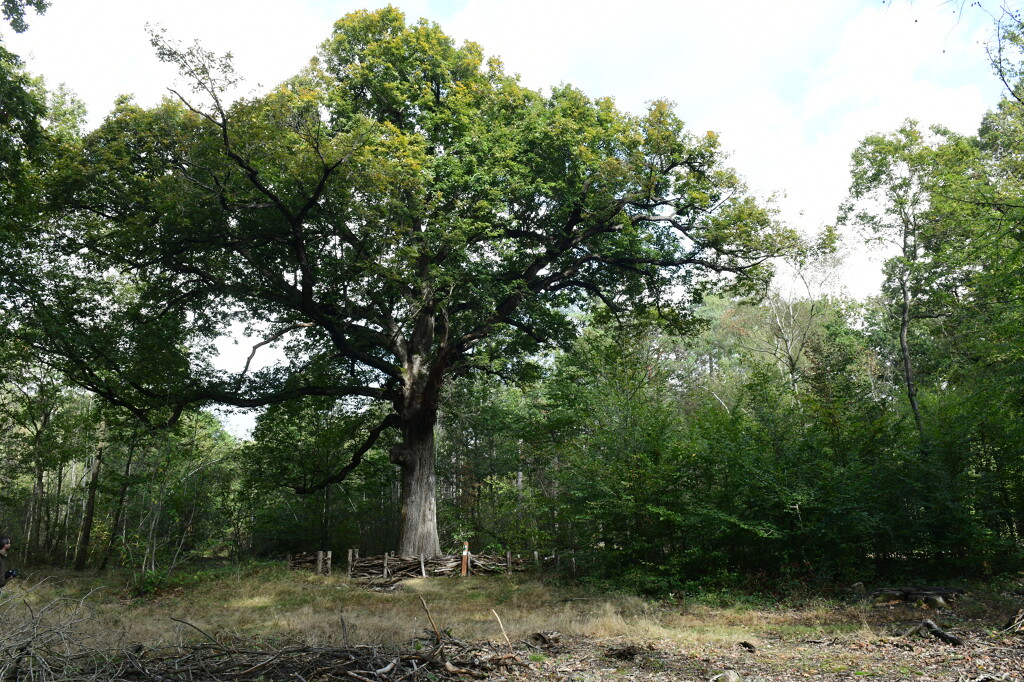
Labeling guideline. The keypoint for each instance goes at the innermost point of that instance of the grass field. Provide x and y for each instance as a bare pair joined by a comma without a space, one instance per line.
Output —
269,602
268,605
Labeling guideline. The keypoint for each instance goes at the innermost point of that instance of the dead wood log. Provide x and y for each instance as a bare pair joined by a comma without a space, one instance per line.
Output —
929,596
936,631
626,652
727,676
544,640
1015,624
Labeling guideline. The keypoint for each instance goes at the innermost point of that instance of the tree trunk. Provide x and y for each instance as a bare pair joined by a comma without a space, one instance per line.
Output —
325,519
82,552
39,491
121,499
38,500
416,459
908,368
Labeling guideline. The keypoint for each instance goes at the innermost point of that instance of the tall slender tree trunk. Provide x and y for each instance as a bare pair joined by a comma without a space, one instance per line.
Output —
325,518
55,530
65,529
39,488
82,552
38,496
121,499
908,367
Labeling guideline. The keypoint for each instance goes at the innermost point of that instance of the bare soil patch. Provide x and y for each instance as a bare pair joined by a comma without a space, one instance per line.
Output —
982,659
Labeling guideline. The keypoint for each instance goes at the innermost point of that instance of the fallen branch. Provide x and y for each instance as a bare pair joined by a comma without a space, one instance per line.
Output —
195,627
431,619
931,596
502,629
935,630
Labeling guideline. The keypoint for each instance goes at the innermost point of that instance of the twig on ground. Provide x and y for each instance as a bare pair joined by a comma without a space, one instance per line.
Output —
344,628
431,619
196,628
503,630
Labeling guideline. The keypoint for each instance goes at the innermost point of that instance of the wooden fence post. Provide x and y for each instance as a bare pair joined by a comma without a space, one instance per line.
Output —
423,567
465,559
328,561
350,562
385,565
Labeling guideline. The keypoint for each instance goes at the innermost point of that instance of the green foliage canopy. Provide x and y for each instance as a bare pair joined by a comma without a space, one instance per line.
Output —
14,12
397,213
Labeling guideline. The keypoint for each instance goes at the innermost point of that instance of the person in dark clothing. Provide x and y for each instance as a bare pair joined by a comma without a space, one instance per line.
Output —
5,575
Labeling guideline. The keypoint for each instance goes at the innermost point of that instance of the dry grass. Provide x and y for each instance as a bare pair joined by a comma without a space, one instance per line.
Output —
272,604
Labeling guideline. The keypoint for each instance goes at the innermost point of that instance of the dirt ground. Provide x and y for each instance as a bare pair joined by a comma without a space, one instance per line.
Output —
983,658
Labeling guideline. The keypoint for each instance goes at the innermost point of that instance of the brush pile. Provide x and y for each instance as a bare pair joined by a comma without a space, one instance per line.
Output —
448,659
50,643
389,569
445,661
318,562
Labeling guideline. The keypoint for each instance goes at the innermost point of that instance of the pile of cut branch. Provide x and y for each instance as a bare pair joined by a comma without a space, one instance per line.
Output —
48,643
444,659
389,569
38,641
318,562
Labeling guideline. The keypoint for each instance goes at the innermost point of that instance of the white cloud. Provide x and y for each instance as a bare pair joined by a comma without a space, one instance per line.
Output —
792,86
100,48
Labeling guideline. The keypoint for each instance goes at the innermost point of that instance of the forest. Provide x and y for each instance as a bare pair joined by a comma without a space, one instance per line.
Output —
467,311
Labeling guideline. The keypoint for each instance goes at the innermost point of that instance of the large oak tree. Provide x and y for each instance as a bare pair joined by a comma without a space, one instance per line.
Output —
398,213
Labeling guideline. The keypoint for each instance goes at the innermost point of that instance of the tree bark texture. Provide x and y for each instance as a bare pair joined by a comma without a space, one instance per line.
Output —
416,459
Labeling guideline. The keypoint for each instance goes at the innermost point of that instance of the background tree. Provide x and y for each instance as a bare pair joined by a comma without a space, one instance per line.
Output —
14,12
890,203
295,447
21,132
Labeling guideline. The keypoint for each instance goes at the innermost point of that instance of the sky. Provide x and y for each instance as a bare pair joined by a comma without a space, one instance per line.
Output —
790,86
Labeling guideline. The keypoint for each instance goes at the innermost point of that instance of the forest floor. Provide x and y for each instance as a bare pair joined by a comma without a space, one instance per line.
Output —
981,659
291,625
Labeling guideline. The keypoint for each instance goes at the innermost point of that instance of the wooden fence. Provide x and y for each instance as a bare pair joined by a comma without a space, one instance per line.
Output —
389,568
